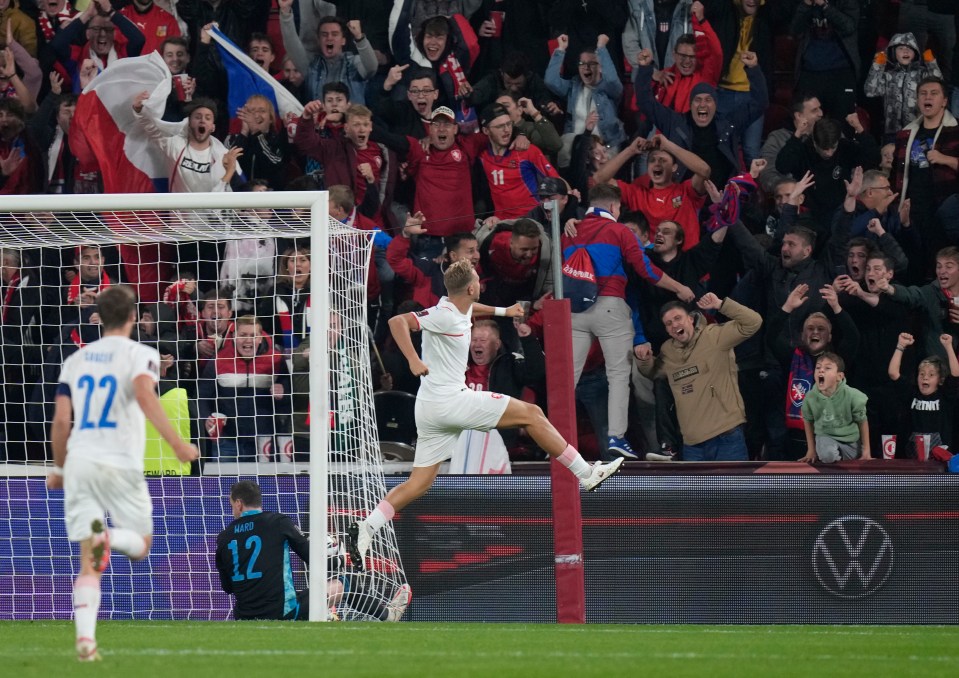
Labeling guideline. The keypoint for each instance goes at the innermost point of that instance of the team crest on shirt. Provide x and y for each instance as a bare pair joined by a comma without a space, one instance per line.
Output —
798,390
836,173
456,155
161,31
512,164
677,202
378,161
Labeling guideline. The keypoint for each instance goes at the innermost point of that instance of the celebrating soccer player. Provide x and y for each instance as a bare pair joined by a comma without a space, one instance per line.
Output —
445,406
106,388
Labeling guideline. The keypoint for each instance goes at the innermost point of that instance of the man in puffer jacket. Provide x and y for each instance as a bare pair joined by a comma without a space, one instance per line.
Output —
241,394
895,75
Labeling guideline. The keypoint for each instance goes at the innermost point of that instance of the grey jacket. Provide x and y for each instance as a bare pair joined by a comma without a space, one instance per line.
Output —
640,31
897,84
606,95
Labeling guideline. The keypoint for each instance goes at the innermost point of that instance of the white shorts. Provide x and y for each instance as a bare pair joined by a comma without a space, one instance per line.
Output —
91,489
439,424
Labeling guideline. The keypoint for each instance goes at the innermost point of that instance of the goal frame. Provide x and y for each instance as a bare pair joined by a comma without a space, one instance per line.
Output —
318,204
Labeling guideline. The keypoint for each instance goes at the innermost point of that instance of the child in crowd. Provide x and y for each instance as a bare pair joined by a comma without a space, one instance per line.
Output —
834,415
895,76
932,407
886,155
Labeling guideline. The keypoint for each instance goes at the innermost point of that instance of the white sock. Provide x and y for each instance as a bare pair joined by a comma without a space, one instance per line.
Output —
86,604
127,542
381,515
574,461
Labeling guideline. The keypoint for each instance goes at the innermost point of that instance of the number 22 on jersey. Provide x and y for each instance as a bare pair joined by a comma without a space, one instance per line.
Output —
105,390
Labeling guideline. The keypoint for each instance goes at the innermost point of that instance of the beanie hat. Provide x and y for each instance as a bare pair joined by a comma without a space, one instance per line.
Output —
702,88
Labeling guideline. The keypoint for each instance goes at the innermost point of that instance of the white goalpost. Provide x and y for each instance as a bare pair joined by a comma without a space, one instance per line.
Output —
258,304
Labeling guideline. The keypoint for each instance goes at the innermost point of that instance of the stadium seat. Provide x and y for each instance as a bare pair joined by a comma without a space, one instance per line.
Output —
395,424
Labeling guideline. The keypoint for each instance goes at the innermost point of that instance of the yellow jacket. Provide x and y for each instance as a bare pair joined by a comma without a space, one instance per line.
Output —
24,30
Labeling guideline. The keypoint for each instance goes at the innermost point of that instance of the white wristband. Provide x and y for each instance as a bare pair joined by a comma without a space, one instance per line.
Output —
57,471
499,310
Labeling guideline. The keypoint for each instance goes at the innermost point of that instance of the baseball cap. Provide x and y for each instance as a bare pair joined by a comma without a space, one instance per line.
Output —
443,112
490,113
551,186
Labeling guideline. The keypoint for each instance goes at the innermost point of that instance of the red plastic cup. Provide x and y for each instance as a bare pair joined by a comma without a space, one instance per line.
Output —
888,447
215,427
179,86
497,19
922,447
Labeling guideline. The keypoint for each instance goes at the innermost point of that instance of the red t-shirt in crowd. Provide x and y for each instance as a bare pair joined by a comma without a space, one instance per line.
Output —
676,202
477,377
444,185
156,24
514,178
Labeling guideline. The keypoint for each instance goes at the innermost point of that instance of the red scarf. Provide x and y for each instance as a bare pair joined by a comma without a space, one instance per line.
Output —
75,336
74,291
8,295
179,301
64,17
452,66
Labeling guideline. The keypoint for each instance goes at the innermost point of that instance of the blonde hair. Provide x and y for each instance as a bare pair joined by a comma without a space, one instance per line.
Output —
357,111
247,320
486,323
458,276
342,196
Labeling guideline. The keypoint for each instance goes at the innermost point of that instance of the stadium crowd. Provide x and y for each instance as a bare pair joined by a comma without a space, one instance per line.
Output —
783,173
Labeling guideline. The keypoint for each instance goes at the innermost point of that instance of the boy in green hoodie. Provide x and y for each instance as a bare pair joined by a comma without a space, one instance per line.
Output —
834,415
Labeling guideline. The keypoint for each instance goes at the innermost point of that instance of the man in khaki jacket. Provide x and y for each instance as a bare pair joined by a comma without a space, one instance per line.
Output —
699,364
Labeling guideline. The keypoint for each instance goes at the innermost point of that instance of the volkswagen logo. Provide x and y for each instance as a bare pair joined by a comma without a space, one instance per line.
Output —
852,557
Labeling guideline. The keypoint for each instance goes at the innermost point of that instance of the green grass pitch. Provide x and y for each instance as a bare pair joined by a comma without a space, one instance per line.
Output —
262,649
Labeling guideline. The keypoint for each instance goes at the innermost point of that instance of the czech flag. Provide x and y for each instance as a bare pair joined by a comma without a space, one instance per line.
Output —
245,78
105,133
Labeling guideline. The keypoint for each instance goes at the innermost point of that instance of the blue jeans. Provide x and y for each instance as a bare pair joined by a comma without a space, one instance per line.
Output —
729,446
728,101
592,392
234,449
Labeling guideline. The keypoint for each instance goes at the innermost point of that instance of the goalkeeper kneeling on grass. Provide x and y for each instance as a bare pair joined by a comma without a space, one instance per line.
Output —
252,558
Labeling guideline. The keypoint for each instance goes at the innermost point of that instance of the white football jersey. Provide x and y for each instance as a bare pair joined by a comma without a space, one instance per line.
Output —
446,347
108,425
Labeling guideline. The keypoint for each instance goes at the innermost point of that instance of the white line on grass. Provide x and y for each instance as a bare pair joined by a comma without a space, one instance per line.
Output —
466,627
519,654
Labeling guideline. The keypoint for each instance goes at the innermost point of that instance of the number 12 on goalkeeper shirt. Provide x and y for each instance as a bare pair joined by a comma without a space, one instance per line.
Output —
251,552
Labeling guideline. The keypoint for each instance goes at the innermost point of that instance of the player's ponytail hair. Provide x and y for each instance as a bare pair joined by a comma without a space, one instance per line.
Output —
458,276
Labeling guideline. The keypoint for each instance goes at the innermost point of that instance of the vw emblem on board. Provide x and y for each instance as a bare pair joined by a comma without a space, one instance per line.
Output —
852,557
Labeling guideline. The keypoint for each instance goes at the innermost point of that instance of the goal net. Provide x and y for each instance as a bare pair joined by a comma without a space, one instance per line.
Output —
257,304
